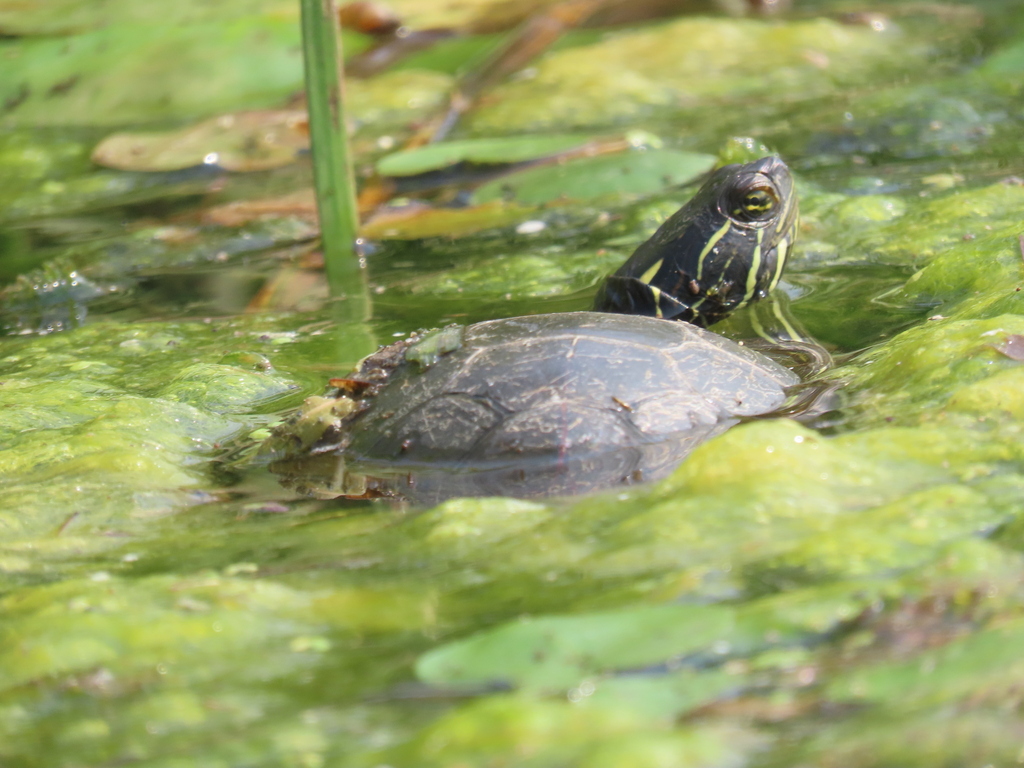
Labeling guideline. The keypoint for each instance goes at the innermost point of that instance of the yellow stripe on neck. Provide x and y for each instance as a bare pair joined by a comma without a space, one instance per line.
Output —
781,251
712,242
755,265
647,276
657,301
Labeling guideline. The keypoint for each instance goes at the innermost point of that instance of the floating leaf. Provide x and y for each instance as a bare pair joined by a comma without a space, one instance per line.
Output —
246,141
1012,347
414,222
555,652
511,149
63,17
634,173
125,73
135,73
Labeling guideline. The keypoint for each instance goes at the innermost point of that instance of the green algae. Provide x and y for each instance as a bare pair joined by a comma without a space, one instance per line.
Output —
911,377
429,348
226,388
636,73
531,273
119,407
543,733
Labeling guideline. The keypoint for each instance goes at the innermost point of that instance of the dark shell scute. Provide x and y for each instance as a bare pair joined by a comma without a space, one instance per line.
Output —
565,382
446,426
561,426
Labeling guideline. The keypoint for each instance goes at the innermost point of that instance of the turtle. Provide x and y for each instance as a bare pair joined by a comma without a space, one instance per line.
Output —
564,403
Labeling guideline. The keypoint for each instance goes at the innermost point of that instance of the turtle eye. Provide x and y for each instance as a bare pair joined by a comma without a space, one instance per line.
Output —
756,203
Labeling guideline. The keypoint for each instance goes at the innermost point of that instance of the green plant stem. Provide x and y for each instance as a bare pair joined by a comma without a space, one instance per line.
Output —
332,160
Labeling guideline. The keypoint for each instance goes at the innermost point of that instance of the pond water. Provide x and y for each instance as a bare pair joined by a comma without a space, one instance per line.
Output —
847,593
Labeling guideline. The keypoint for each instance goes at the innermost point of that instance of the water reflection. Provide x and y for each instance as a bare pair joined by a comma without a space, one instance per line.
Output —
329,476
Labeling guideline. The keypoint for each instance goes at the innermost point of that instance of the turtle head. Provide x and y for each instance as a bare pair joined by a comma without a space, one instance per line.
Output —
724,249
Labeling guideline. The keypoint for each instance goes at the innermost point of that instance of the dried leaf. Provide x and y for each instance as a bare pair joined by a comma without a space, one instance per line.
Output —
369,18
1012,347
291,289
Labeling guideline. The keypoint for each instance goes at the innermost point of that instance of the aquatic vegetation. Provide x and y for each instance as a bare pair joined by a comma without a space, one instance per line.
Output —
847,591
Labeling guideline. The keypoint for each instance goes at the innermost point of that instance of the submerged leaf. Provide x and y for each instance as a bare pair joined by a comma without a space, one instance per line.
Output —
300,205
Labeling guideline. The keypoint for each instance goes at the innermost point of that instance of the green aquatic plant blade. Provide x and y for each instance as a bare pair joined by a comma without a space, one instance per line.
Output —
332,159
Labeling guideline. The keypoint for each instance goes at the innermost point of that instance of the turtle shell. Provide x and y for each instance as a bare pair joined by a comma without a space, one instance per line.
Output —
528,406
561,384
